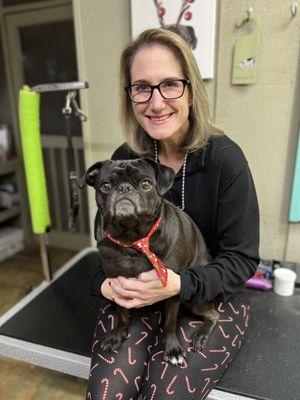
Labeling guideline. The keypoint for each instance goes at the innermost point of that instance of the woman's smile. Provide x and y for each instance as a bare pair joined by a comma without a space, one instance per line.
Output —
159,120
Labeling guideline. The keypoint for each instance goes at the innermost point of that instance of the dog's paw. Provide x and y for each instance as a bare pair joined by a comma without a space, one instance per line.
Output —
199,341
113,341
175,356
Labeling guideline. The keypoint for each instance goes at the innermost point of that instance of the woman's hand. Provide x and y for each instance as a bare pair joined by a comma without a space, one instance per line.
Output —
142,291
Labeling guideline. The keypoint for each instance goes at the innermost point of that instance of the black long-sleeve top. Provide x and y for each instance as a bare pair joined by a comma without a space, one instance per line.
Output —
220,197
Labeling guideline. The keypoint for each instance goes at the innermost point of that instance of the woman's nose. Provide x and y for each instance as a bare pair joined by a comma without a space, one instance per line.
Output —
156,101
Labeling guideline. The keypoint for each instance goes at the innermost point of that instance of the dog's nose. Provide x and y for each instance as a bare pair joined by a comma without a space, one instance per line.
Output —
125,187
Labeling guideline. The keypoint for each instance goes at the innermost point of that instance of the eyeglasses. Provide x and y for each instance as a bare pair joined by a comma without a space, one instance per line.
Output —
169,89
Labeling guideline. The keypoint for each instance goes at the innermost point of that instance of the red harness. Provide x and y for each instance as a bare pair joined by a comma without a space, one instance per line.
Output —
143,246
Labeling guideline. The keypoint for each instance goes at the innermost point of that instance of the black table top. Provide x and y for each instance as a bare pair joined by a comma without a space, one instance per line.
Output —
267,366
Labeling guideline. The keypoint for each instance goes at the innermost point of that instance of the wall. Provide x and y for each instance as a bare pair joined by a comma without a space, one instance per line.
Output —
102,30
262,118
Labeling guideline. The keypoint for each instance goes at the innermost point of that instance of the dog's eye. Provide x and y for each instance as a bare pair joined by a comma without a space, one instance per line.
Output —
146,185
105,187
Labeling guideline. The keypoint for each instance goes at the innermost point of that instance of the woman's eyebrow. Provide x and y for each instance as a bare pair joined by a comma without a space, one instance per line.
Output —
169,78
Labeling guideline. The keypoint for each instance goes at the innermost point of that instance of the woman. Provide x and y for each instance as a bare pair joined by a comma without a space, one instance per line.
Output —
165,115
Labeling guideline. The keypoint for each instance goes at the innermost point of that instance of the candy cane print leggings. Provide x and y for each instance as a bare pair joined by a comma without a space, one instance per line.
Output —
138,366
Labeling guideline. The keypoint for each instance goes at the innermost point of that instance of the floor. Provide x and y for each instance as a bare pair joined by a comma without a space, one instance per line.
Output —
20,381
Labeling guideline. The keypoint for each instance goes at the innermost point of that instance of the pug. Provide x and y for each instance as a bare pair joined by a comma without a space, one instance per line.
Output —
130,198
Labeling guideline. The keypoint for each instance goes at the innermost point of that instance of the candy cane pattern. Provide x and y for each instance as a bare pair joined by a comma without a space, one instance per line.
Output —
226,336
111,361
121,373
102,326
205,394
106,381
94,344
93,367
230,319
207,381
136,384
155,354
215,367
144,335
143,319
244,310
233,309
105,308
148,372
168,391
218,350
189,386
193,324
189,349
184,335
130,361
136,365
234,340
227,355
158,313
154,387
240,330
164,370
246,322
112,321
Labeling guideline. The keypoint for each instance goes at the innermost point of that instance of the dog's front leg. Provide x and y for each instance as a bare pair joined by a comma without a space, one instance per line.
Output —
114,339
174,352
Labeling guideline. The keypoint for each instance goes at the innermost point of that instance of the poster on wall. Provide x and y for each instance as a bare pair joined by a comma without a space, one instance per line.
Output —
194,20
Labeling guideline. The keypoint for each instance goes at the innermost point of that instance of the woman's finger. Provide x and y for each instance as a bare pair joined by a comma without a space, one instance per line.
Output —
120,291
128,303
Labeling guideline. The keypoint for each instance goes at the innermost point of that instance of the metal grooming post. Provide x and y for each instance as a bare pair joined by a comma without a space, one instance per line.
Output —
70,88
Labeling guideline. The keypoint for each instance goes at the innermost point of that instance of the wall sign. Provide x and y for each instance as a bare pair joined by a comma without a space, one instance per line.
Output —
194,20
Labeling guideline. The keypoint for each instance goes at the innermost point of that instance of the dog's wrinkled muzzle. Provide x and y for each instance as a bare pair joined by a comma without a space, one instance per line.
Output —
124,208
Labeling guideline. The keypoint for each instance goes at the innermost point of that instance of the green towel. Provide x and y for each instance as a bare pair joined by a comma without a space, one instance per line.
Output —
33,159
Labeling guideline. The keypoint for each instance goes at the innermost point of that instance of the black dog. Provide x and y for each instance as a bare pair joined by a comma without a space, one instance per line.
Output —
129,195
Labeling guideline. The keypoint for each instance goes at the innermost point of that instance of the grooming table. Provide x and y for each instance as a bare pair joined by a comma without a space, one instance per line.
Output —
53,327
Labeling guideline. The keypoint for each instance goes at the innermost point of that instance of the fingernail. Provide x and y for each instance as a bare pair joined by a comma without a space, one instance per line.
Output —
113,299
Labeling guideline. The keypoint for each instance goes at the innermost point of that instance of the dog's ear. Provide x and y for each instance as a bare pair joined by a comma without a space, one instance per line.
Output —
164,176
89,178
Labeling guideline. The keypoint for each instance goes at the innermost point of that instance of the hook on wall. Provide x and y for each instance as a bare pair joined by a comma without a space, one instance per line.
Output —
246,17
294,8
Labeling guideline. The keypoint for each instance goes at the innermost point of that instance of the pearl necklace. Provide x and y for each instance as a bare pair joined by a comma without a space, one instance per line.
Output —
183,174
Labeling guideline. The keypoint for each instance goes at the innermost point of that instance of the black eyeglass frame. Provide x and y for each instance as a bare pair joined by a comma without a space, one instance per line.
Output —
152,87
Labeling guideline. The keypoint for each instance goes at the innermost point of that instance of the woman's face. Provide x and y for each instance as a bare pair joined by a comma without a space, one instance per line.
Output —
162,119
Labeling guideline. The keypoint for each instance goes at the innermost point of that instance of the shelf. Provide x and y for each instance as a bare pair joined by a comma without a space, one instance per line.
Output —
8,167
9,213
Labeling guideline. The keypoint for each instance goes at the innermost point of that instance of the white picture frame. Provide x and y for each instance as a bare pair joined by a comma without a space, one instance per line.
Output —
199,16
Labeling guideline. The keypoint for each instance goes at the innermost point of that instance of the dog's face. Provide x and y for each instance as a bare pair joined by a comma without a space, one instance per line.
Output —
127,190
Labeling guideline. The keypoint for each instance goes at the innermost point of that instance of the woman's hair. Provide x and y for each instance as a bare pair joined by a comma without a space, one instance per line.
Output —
201,129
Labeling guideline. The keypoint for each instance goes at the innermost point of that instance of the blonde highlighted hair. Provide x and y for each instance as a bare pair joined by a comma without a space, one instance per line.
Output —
201,129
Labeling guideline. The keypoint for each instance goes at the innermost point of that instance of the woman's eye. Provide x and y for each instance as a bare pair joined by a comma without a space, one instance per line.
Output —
170,83
105,187
141,88
146,185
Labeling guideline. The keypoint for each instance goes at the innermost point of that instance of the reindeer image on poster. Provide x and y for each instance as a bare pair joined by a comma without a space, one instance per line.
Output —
185,31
